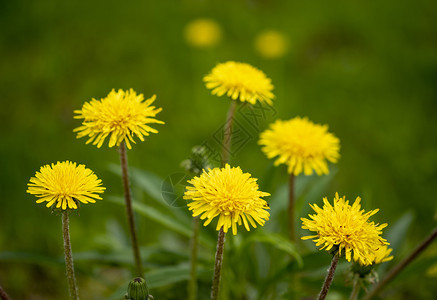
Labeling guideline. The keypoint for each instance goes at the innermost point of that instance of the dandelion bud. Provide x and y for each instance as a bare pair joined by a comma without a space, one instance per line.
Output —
137,290
198,161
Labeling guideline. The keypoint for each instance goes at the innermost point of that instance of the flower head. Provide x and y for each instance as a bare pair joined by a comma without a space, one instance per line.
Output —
230,194
346,227
203,33
65,184
301,144
240,81
271,44
120,115
381,254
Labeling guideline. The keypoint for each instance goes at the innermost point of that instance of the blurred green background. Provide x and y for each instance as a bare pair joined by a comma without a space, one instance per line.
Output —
366,68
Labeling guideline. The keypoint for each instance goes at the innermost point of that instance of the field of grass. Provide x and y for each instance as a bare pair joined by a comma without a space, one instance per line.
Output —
367,69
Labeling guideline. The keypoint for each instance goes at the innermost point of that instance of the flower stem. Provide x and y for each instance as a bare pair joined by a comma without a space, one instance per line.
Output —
355,289
72,285
291,204
226,151
192,284
3,294
329,278
218,265
129,210
396,270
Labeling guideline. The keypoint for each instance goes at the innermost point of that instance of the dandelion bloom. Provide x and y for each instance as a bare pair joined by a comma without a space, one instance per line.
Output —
271,44
300,144
120,115
346,227
381,254
65,184
240,81
230,194
203,33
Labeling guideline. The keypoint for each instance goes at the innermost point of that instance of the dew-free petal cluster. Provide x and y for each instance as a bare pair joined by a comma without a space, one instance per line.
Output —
381,254
271,44
346,227
65,184
203,33
231,195
300,144
240,81
120,115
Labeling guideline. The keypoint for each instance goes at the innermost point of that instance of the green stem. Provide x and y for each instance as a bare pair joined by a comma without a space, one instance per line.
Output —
192,284
129,211
329,278
226,151
396,270
72,285
291,210
218,265
356,288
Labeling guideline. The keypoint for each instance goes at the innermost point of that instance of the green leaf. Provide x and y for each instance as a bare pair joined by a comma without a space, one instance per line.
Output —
279,242
279,201
168,275
165,220
33,258
397,233
148,182
155,215
157,189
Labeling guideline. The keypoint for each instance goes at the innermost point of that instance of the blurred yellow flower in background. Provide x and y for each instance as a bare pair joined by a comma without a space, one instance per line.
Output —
65,184
230,194
202,33
347,228
120,115
300,144
271,44
240,81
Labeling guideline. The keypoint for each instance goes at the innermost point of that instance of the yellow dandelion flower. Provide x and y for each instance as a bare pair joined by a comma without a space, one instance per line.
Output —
346,227
230,194
65,184
300,144
381,254
203,33
432,271
271,44
121,115
240,81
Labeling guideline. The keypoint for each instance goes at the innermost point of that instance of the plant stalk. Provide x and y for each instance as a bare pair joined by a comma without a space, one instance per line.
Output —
192,284
218,265
129,211
3,294
227,137
397,269
329,278
72,284
291,208
355,289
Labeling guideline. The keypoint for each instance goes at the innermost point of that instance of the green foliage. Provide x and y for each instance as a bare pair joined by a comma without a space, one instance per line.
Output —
368,69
